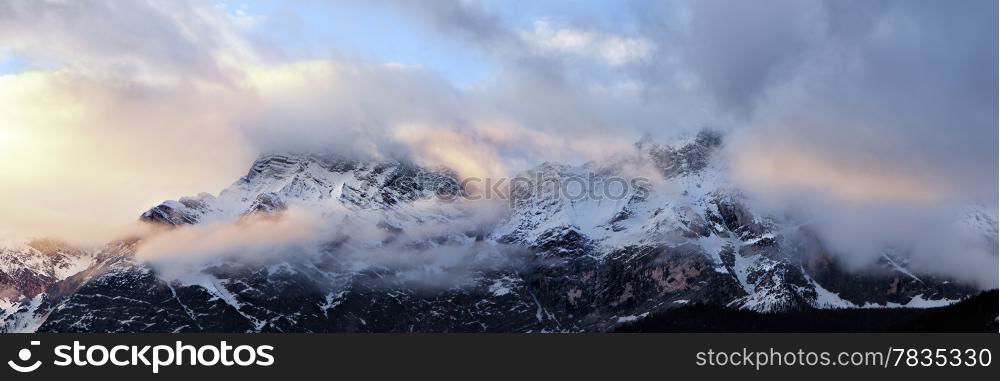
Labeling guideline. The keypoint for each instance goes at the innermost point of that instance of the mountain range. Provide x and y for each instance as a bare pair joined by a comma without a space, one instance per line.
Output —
386,245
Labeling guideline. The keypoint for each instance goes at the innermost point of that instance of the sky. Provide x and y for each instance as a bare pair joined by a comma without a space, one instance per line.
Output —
871,109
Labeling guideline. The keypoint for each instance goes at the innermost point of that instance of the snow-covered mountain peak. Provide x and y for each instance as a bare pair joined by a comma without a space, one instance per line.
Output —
315,181
685,155
613,204
573,247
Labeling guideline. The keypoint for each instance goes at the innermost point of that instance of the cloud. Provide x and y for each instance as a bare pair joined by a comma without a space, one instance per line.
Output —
877,121
738,49
81,157
341,238
609,48
470,20
258,237
495,148
773,167
139,40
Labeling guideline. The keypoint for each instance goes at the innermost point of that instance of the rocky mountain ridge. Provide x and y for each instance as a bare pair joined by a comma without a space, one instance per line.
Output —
404,252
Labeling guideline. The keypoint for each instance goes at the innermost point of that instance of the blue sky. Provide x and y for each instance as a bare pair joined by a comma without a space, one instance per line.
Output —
10,63
382,32
367,31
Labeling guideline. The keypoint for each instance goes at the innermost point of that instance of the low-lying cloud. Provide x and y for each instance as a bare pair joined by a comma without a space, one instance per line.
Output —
441,254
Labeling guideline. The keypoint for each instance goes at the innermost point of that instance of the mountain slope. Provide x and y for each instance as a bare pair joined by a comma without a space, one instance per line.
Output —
398,248
974,314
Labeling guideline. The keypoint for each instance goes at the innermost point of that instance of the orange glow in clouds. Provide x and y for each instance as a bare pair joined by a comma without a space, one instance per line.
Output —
774,166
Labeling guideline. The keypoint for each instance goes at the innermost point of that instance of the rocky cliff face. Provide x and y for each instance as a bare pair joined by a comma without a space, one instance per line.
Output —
37,276
548,263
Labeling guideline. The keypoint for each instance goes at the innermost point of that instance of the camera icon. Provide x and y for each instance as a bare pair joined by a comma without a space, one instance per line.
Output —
24,355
